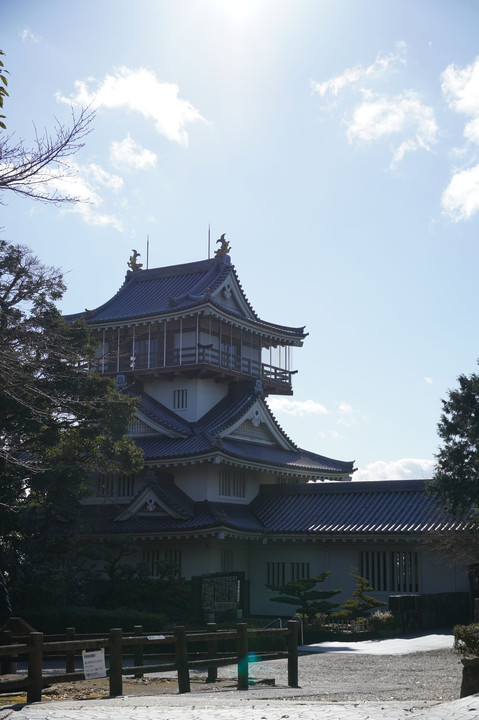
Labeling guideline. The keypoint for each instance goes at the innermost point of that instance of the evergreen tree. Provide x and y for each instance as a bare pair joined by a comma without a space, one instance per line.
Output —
361,602
59,421
303,594
456,479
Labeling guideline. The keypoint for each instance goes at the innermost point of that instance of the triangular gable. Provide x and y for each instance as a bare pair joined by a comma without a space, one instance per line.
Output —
148,503
146,427
230,294
257,426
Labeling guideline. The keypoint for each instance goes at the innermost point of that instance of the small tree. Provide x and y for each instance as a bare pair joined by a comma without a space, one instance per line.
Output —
456,480
361,602
303,593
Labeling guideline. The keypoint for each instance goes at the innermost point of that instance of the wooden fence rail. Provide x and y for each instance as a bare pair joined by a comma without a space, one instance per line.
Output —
180,658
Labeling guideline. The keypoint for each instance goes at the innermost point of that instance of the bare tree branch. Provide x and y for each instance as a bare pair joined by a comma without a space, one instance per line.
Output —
34,172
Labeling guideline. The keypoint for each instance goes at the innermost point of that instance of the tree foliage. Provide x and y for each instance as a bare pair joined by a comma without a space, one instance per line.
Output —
3,90
303,593
456,479
361,603
59,421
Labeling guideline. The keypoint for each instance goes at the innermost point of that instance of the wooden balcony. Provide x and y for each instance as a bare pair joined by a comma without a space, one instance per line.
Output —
204,362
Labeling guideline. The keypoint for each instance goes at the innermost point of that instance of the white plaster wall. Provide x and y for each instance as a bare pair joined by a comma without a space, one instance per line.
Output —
439,574
202,395
201,482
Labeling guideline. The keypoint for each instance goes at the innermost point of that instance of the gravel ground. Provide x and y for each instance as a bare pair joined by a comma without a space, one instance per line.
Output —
433,676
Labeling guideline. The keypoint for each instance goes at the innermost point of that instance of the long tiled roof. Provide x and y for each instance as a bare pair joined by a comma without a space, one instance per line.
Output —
203,438
352,509
167,290
322,510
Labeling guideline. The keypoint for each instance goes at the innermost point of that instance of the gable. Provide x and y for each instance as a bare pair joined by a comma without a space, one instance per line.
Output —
257,426
230,295
148,503
144,426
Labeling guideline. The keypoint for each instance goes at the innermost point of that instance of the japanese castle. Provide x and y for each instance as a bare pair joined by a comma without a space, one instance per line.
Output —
224,491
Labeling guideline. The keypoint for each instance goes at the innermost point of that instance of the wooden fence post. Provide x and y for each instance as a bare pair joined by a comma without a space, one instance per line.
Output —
138,655
116,660
181,652
292,653
212,648
35,662
242,629
5,661
70,654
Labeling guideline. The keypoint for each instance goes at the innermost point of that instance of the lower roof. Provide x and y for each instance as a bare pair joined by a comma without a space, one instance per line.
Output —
314,510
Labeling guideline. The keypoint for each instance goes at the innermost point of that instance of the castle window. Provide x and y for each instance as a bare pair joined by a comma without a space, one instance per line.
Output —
280,573
155,559
180,399
390,571
115,485
232,483
226,559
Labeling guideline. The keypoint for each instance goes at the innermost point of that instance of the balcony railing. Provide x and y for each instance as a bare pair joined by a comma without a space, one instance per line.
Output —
228,358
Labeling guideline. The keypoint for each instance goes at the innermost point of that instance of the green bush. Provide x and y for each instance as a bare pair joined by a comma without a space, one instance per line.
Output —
466,639
92,620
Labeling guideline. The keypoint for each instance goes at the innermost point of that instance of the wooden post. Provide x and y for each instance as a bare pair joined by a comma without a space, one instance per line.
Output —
242,629
35,661
70,654
212,649
293,653
5,660
138,655
116,660
181,652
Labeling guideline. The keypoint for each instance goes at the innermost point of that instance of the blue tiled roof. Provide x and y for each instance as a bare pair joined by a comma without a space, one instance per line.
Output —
355,508
163,291
203,438
320,510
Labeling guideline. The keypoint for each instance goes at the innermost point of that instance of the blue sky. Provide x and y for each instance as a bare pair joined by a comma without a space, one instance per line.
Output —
336,143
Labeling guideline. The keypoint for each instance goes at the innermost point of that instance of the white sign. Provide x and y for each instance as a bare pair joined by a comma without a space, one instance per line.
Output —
155,637
94,664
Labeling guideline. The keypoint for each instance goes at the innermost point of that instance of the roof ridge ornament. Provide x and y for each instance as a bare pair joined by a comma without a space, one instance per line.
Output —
133,264
225,247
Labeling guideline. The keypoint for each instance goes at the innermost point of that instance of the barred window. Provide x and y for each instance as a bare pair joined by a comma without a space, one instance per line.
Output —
180,399
154,559
232,483
226,559
280,573
115,485
390,571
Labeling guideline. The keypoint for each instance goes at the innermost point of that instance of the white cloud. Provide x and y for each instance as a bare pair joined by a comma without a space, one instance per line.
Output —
359,74
347,414
139,90
403,469
460,200
428,380
84,184
405,115
460,87
129,153
28,36
299,408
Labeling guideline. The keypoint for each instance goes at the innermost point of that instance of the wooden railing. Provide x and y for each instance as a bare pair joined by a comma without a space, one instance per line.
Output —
180,659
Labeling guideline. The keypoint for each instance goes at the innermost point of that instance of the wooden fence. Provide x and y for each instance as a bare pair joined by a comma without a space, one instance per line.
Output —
180,658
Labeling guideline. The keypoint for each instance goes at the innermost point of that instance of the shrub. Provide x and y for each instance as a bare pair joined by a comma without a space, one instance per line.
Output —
466,639
91,620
